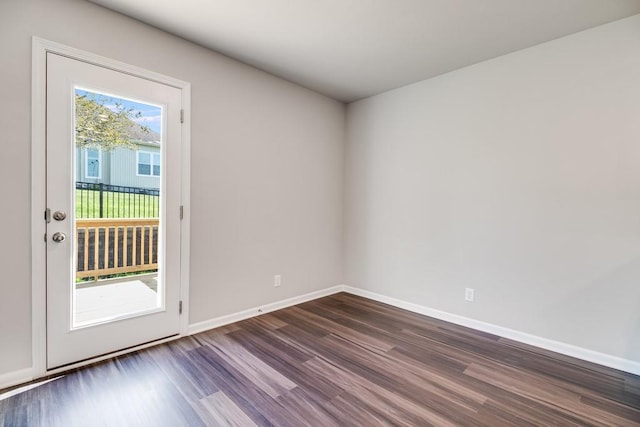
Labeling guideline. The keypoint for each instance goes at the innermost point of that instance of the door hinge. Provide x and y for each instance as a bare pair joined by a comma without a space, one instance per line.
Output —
181,211
45,237
180,307
181,116
47,215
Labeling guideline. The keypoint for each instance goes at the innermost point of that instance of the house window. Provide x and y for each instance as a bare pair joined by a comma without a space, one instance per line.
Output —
93,163
148,163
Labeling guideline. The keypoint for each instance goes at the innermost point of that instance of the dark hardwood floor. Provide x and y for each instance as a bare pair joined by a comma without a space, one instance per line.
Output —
337,361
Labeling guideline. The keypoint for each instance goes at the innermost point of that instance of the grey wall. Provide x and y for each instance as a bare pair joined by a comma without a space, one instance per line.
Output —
519,177
267,167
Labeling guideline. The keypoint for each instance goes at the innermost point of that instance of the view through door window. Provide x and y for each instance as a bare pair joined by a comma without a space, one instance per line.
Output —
118,170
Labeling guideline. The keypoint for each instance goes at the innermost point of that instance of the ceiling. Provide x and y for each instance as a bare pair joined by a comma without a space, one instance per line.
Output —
352,49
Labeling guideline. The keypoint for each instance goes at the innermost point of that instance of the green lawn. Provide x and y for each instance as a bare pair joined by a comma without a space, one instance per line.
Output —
115,205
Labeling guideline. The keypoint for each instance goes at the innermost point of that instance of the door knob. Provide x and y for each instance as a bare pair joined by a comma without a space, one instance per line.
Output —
58,237
59,215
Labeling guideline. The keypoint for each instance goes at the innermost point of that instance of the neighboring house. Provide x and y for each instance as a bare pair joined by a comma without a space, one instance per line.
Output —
127,167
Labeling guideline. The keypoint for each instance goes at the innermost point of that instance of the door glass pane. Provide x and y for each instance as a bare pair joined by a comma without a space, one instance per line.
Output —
118,143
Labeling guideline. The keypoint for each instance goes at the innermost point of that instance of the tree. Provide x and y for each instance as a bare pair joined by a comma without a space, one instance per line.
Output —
105,128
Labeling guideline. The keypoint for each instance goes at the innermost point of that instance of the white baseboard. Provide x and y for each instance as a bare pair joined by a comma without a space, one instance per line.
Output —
195,328
603,359
16,377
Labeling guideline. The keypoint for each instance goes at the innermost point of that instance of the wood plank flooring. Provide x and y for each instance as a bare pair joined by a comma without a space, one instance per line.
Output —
336,361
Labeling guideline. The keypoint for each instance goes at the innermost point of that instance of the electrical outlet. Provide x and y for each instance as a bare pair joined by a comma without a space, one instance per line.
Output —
277,279
468,294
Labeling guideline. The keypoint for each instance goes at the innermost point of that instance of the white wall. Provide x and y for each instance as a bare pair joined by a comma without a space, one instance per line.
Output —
519,177
267,167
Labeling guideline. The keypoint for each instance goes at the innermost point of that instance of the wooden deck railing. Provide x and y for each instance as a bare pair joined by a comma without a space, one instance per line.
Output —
111,246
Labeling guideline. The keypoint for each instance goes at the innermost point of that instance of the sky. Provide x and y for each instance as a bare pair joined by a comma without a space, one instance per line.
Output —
151,115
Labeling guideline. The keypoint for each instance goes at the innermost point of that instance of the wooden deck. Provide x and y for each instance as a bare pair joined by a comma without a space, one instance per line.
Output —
337,361
111,298
115,246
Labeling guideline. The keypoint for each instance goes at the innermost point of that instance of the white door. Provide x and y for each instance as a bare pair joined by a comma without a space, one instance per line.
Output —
113,193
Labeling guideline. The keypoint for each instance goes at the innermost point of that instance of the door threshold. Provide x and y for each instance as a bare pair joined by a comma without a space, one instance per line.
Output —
82,363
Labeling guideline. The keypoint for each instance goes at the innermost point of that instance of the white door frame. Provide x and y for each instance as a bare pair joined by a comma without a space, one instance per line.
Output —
40,47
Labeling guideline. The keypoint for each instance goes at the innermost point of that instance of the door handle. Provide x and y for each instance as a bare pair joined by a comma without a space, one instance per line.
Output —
58,237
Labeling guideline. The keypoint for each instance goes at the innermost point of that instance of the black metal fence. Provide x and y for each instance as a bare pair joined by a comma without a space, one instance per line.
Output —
97,200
